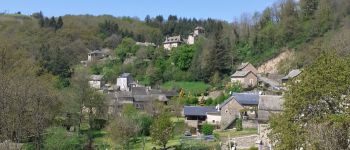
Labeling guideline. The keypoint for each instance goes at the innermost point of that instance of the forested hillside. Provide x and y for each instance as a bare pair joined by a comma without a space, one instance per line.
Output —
41,79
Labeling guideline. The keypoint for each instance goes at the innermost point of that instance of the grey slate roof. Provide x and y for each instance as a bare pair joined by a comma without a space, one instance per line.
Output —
95,52
292,74
243,99
246,98
199,28
225,102
269,104
143,98
242,66
139,91
96,77
240,73
125,75
271,82
173,39
123,94
198,110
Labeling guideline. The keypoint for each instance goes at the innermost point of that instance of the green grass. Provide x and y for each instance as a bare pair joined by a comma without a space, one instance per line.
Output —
233,133
177,119
195,88
149,144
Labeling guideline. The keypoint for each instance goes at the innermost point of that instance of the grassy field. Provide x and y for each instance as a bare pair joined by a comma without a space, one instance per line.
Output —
233,133
196,88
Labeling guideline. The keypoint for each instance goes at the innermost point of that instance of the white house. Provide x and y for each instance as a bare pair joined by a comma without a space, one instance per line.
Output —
124,82
193,36
171,42
198,31
96,81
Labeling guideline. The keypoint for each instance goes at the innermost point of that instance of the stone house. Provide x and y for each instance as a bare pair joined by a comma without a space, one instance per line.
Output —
239,105
229,111
95,55
96,81
246,78
171,42
247,67
268,104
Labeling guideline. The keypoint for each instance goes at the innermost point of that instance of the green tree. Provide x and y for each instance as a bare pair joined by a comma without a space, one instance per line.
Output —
239,126
314,109
207,129
123,129
52,22
289,21
107,28
308,8
59,24
182,56
126,48
218,58
94,105
162,130
59,138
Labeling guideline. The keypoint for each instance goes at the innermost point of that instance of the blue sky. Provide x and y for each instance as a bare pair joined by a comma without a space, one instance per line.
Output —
218,9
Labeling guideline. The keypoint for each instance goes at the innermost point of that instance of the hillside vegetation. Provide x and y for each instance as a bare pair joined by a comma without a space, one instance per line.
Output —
43,85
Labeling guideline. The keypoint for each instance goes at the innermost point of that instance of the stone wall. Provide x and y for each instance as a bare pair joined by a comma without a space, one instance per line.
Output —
250,124
229,112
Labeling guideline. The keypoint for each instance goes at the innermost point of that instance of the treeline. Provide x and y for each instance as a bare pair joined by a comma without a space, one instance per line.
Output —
46,22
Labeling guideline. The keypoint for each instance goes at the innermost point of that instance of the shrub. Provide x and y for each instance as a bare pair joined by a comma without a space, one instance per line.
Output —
98,124
209,102
58,138
239,126
207,129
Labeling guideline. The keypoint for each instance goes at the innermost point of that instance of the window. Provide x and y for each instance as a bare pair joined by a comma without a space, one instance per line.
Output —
251,81
226,111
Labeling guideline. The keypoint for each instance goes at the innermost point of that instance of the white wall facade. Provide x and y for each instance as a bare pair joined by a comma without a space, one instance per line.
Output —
190,40
169,46
95,84
123,84
214,119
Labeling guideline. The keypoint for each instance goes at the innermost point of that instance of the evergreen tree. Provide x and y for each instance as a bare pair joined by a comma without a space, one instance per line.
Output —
218,56
148,19
52,22
108,28
46,22
308,8
59,23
